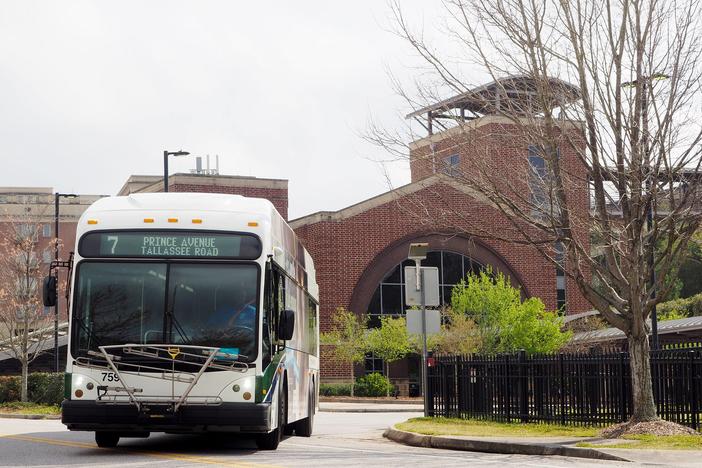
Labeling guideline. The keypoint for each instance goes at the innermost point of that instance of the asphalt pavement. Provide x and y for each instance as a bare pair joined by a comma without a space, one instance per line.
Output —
340,439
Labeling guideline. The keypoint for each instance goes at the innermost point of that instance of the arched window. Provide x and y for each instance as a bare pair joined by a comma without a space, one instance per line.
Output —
389,299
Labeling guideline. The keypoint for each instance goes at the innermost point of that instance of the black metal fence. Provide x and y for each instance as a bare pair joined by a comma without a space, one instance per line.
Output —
582,389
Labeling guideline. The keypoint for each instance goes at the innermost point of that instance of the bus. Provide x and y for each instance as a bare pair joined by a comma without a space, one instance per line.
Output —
190,313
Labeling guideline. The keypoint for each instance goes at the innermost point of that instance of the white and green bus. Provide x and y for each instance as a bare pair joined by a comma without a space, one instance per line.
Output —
190,313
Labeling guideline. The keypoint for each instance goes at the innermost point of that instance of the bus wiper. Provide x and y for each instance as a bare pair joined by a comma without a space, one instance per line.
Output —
91,336
174,321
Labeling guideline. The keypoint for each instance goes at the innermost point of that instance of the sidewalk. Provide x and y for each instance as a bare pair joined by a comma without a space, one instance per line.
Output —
369,407
562,446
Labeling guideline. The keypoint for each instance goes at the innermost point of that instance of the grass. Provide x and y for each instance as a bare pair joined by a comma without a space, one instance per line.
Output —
650,442
17,407
472,427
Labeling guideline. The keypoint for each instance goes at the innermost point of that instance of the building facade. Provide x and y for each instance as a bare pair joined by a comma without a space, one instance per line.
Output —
359,251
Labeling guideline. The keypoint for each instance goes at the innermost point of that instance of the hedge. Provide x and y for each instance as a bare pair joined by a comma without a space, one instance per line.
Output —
42,387
680,308
335,389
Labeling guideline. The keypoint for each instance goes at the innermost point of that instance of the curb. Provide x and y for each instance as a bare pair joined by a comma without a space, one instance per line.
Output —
369,410
371,401
30,416
488,446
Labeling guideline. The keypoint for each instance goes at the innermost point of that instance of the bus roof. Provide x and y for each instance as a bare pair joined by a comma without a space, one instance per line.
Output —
183,201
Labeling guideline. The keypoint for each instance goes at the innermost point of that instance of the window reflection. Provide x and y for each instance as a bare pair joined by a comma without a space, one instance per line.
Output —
388,298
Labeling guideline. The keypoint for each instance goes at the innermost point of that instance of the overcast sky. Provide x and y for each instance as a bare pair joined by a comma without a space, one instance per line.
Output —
92,92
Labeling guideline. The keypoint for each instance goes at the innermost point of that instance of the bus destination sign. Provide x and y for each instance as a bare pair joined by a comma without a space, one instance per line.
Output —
169,244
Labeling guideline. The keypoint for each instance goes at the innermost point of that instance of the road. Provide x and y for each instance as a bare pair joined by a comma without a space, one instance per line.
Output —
340,439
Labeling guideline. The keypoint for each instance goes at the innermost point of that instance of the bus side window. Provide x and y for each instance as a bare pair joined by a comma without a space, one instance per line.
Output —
311,326
268,312
278,297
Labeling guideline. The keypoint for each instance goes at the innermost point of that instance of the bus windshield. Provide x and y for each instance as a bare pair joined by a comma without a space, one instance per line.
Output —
176,303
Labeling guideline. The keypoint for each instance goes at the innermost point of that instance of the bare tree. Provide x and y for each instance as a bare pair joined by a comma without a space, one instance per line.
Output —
24,327
615,87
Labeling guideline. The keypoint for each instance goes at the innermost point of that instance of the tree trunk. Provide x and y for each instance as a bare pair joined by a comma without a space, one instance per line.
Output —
644,406
353,379
24,378
387,376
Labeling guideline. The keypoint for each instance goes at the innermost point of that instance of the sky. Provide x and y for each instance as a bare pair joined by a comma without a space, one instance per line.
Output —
93,92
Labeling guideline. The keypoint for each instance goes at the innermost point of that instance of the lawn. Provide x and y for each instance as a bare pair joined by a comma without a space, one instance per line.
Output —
472,427
673,442
16,407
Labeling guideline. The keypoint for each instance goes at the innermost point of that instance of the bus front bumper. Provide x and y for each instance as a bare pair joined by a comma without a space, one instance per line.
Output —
225,417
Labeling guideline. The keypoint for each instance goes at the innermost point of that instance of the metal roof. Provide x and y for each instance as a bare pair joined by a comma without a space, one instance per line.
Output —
515,89
666,327
39,345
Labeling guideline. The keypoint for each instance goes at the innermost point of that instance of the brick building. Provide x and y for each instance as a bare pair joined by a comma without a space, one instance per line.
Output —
359,251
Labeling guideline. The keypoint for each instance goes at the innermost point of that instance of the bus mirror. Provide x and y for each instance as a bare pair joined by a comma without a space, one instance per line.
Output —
49,294
286,325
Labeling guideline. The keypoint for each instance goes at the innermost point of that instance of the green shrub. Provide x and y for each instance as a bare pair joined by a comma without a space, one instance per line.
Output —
680,308
373,385
9,388
42,387
506,322
46,388
335,389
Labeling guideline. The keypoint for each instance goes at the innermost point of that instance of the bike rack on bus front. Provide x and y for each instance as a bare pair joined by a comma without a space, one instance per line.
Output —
203,356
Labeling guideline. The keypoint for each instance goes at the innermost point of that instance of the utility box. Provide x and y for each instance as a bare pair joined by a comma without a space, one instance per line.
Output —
431,287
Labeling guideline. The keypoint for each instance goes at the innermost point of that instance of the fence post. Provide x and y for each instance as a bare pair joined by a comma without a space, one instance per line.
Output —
431,381
523,388
561,377
693,390
622,387
507,387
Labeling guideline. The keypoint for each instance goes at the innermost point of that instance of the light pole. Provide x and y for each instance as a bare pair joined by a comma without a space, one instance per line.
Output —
57,196
418,252
646,84
165,165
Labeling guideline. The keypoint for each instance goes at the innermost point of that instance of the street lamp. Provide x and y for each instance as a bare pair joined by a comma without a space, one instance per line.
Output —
165,165
646,83
57,196
418,252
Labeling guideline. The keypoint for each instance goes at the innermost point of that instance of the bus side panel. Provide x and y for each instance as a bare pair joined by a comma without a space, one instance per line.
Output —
301,360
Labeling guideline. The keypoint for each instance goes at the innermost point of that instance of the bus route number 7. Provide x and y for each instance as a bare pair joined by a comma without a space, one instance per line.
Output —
114,240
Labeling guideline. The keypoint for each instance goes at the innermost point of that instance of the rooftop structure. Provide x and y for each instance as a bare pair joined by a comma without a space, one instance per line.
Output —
512,95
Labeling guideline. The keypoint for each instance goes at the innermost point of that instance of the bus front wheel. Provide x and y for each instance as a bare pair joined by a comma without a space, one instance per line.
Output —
106,439
271,440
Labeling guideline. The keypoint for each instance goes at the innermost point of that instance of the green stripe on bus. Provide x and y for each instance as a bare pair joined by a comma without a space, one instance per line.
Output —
67,382
263,382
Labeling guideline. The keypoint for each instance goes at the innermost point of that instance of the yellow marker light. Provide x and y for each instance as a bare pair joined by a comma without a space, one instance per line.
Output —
172,220
253,223
148,220
92,221
264,391
197,221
